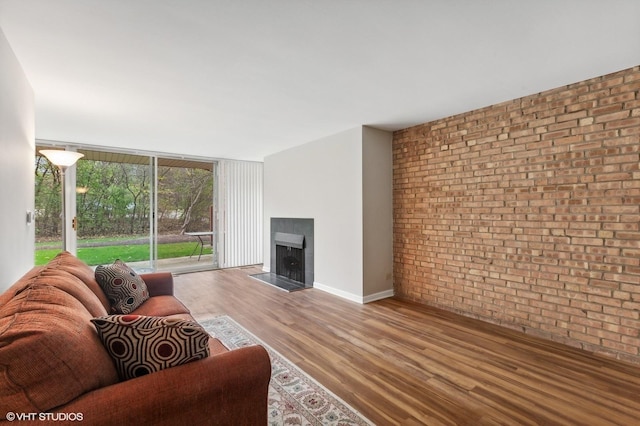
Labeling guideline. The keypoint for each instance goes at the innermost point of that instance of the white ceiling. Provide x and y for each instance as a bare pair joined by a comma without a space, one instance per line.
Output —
247,78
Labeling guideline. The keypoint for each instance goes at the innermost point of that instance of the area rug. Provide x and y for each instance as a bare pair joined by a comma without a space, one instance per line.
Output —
295,398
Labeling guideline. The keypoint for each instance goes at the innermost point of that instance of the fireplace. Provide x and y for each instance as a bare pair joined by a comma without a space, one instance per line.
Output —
291,262
290,255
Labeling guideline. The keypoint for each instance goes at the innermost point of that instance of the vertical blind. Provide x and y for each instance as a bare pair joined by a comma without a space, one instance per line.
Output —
241,210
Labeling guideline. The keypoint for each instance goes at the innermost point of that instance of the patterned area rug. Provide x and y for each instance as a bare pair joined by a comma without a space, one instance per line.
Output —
294,397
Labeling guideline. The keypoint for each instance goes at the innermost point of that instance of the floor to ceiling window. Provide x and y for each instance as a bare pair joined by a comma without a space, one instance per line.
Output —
186,212
154,213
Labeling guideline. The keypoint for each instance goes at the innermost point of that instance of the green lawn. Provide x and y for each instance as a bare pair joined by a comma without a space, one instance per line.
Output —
127,253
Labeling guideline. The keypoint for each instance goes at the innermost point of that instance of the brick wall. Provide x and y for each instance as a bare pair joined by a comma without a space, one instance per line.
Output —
526,214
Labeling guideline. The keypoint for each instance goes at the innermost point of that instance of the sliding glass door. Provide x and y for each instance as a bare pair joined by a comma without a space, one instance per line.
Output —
152,213
186,226
113,209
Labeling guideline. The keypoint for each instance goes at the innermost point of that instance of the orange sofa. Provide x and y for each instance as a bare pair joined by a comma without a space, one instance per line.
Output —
54,367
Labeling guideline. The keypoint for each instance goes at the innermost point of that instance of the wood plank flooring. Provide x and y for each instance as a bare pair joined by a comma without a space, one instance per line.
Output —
400,363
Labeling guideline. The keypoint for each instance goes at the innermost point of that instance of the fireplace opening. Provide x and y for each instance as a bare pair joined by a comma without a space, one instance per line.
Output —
290,263
290,256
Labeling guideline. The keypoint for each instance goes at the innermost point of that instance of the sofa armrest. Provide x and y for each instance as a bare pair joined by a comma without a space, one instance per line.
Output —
230,388
159,283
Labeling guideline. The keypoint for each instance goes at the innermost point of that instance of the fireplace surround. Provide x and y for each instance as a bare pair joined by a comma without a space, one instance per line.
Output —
292,249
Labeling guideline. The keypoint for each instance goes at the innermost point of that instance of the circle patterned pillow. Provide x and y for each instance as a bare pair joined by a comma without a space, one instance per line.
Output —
141,344
124,288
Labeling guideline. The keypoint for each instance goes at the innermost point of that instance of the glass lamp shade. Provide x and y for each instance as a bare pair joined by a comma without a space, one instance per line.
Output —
61,158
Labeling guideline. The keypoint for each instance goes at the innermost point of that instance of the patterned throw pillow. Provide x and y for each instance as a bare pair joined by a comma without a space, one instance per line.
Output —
124,288
141,344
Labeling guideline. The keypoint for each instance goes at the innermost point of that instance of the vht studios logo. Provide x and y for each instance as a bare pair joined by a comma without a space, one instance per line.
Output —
45,417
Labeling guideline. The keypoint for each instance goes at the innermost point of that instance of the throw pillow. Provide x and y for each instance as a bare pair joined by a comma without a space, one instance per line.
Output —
124,288
141,344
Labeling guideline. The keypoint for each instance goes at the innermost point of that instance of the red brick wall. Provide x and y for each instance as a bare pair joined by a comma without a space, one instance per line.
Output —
526,214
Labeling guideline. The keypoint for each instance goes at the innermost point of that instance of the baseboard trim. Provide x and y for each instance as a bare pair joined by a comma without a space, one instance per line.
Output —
379,296
353,297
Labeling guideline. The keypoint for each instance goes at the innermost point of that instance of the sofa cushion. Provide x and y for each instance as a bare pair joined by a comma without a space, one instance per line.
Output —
141,344
161,306
71,275
124,288
19,285
49,352
67,262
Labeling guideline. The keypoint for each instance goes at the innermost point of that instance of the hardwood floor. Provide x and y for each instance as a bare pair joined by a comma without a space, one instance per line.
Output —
403,363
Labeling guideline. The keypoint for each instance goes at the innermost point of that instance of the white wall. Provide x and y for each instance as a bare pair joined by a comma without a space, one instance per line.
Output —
322,180
344,183
377,190
17,142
